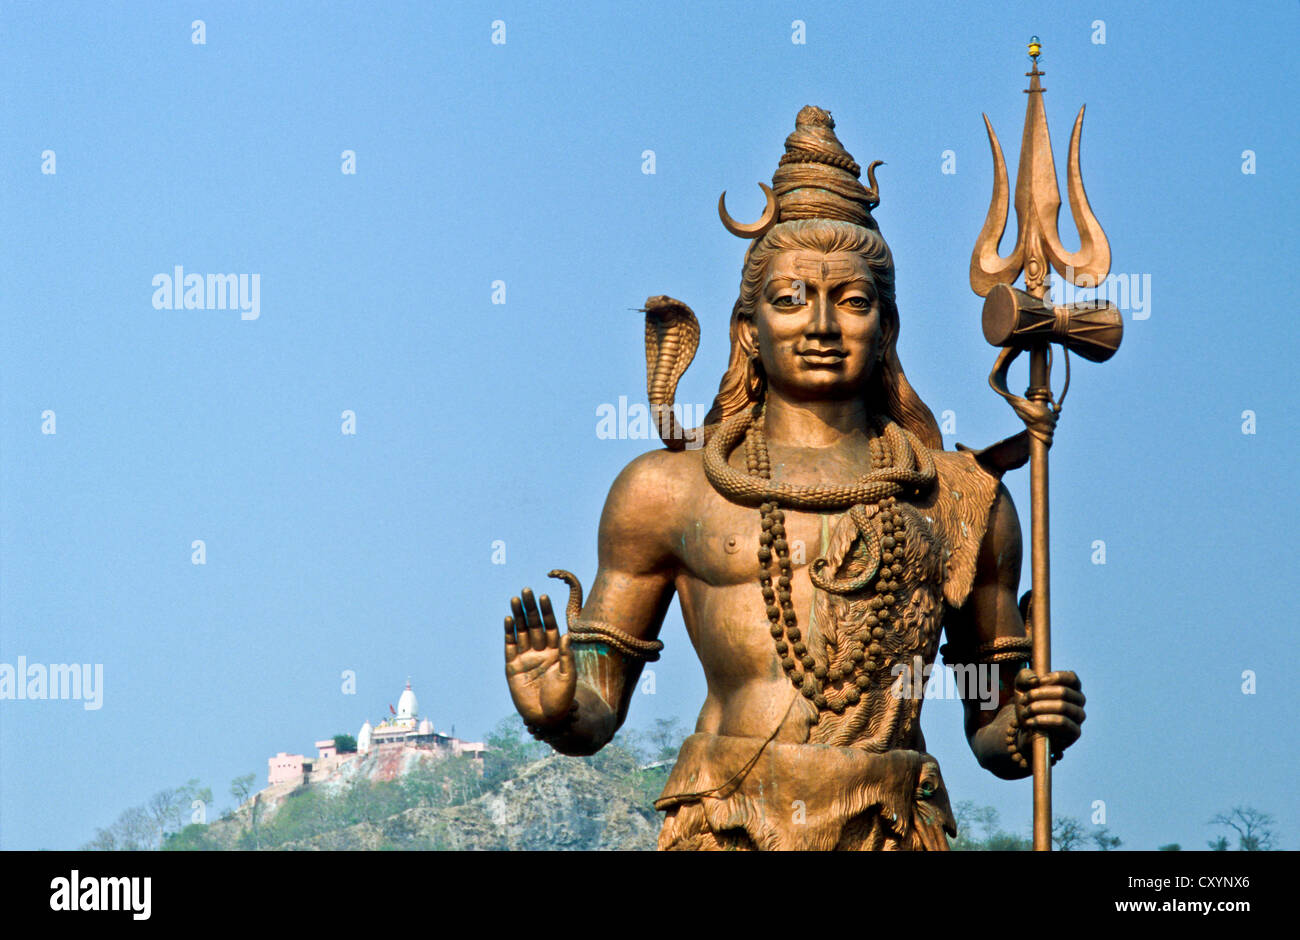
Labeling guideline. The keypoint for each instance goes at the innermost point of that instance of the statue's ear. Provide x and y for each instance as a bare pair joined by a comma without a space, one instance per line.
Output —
747,337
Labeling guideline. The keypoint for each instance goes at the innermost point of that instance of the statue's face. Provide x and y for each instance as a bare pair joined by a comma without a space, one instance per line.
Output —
817,325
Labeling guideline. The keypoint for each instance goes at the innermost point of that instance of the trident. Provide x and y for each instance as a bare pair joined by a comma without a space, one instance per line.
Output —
1018,320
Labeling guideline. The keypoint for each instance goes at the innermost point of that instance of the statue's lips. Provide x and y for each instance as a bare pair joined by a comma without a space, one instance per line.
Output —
822,357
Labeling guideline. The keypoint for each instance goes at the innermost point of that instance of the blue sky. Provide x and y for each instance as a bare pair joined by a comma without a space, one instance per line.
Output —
476,421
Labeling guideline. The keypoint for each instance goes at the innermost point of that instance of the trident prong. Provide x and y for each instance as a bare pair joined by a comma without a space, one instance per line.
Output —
1038,206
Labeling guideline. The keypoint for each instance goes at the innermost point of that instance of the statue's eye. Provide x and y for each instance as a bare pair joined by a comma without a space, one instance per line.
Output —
857,302
787,300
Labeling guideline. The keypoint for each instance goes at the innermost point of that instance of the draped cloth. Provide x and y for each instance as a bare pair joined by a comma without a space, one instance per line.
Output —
803,797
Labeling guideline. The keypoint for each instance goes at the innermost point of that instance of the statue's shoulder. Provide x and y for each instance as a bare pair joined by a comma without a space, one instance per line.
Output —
662,466
654,487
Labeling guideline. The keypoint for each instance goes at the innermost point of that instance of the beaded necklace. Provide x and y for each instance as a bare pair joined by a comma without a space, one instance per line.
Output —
865,660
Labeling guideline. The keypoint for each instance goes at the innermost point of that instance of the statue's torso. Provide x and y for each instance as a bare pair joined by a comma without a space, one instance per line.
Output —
716,544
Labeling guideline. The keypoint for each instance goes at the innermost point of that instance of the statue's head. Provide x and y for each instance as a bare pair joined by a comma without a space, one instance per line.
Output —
816,316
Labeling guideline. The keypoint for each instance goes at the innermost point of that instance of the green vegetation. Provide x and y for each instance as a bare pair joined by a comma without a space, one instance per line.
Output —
1068,834
196,837
345,744
978,830
149,827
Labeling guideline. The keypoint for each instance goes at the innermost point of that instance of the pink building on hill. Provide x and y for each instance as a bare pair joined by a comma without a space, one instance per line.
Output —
404,729
285,767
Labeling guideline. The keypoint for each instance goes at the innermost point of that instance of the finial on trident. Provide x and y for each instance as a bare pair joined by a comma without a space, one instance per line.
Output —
1018,320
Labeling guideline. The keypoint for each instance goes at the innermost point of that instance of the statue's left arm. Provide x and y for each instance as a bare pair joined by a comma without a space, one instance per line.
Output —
988,632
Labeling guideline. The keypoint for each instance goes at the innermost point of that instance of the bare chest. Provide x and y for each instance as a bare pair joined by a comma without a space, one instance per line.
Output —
717,541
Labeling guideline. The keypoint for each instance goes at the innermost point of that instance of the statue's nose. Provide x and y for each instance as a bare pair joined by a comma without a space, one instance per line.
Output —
823,315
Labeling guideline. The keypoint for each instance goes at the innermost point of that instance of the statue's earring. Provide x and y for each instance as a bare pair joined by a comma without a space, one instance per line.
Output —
754,374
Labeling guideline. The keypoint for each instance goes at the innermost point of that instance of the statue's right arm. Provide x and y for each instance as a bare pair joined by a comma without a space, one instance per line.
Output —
632,591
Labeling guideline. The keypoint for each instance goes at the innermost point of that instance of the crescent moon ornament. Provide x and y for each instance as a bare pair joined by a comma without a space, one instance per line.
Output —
757,229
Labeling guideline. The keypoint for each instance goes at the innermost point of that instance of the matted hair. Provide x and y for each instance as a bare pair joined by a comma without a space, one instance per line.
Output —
888,391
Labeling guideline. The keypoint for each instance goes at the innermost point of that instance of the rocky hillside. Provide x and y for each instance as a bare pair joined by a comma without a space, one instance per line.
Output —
555,803
522,796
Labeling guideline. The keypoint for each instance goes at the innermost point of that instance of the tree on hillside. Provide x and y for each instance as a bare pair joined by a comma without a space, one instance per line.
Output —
144,828
665,739
1104,841
169,810
1253,828
345,744
241,788
132,831
509,749
978,831
1067,833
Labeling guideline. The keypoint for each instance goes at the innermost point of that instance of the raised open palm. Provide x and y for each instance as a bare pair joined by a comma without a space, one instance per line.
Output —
539,662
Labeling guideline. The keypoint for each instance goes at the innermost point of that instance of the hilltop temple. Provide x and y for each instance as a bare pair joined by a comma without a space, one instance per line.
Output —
403,729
